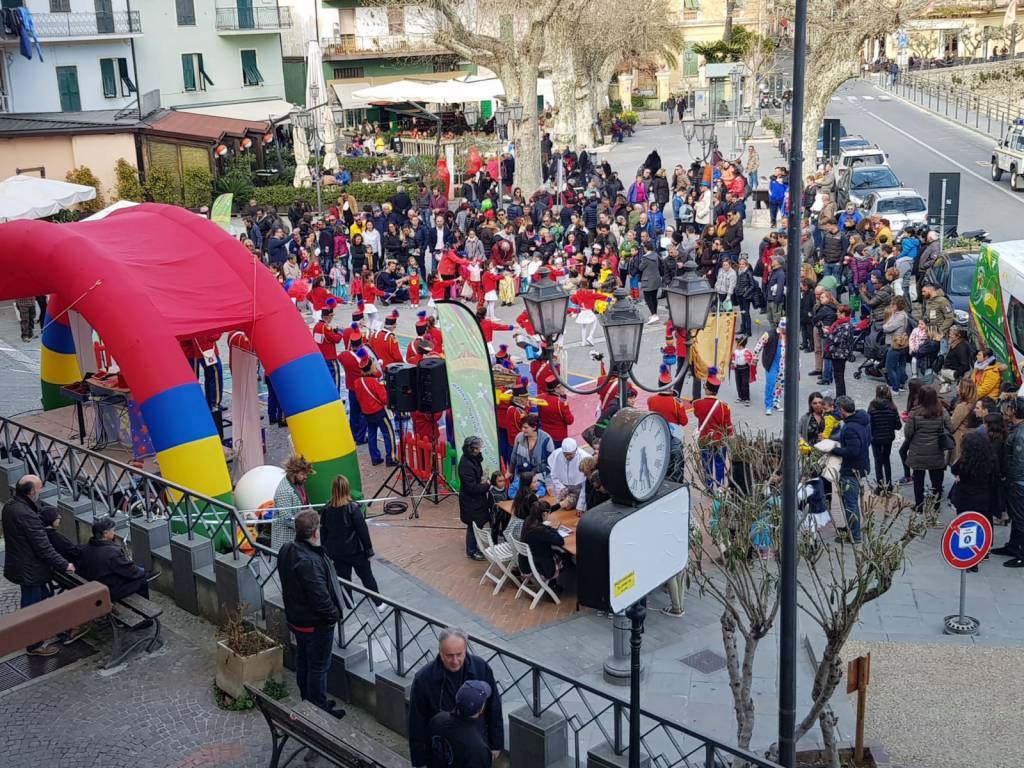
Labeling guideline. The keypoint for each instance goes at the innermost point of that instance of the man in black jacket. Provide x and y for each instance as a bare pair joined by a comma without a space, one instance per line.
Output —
104,561
29,555
312,606
474,493
435,687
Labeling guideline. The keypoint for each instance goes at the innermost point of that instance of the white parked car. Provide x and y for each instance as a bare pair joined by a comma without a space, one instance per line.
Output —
900,206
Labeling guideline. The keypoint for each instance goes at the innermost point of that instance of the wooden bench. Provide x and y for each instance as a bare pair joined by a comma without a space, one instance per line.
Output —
50,617
312,728
126,615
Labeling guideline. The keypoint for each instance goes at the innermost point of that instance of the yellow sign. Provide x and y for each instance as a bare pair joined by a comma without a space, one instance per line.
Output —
625,584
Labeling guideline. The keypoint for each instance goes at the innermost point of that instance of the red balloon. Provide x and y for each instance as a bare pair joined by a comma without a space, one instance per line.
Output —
299,289
475,162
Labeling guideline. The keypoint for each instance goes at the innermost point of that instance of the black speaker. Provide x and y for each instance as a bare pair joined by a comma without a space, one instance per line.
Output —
431,385
400,383
831,134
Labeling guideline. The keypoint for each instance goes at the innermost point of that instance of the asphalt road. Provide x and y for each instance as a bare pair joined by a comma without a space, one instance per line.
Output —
919,143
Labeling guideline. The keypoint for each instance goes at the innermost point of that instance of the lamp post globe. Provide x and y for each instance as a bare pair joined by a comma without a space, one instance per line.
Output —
471,112
546,306
735,77
515,111
338,113
689,127
501,117
689,298
623,328
705,131
745,126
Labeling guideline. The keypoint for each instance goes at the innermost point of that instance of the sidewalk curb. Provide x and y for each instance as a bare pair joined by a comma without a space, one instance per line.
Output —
939,115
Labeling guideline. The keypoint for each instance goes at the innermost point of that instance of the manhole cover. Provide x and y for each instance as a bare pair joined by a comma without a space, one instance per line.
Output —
30,667
705,661
9,678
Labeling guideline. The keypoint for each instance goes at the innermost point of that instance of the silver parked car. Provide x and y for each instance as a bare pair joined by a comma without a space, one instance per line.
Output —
900,206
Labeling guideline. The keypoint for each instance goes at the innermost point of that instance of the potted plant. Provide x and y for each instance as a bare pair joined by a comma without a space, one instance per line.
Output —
246,655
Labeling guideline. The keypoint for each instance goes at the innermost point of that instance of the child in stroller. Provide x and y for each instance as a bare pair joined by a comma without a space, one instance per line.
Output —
872,339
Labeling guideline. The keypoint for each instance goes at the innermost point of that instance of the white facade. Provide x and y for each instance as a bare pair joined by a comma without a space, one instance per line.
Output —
78,39
215,34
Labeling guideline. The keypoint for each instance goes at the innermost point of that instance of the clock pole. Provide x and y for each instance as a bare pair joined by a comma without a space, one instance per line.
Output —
636,613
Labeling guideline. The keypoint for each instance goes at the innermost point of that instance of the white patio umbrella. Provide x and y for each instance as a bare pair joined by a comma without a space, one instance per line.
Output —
316,93
29,197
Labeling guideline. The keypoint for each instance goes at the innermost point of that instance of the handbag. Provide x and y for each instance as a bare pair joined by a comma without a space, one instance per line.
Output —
466,291
946,441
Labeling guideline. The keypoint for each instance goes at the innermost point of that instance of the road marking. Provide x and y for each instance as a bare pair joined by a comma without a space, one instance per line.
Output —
836,98
885,98
869,98
18,356
851,99
1012,195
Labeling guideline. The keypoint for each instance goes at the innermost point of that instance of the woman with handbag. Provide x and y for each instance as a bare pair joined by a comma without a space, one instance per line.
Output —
346,539
929,437
898,340
977,477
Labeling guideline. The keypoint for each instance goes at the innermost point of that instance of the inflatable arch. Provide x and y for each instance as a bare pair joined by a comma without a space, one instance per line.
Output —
147,276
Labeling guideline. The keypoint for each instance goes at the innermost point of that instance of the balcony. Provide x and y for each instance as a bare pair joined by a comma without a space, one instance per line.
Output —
83,26
249,21
380,46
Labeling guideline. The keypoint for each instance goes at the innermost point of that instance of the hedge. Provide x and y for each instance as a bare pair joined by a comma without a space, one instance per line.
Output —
283,195
366,164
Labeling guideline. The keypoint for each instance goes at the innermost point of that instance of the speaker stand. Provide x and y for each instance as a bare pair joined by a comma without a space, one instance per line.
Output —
403,484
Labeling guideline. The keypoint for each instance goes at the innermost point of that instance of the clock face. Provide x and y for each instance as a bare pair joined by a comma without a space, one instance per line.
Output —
647,457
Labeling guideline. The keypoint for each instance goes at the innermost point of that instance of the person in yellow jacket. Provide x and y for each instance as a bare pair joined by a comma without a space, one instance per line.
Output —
988,373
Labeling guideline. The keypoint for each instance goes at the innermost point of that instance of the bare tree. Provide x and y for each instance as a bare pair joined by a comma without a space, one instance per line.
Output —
836,32
735,535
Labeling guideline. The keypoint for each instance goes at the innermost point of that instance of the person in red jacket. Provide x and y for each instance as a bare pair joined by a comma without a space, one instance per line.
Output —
384,342
514,414
373,401
503,358
666,403
448,268
356,328
414,286
417,350
326,337
489,326
555,414
438,288
319,296
489,281
204,360
349,360
523,320
433,333
714,422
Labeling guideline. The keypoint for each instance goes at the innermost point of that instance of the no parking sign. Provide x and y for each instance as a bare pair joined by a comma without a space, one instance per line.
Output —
967,540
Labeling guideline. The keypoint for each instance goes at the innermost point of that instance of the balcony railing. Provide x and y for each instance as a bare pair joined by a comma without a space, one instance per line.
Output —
66,25
231,19
387,45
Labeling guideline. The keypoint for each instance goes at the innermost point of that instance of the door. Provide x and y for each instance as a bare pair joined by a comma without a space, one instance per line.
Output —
104,17
245,15
67,88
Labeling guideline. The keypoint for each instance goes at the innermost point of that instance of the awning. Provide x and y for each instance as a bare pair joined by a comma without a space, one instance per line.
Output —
346,94
454,91
250,111
193,125
30,197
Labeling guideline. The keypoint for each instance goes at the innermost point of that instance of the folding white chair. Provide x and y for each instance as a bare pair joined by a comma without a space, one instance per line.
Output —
543,586
500,556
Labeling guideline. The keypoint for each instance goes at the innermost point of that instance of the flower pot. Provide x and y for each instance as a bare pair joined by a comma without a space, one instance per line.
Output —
234,670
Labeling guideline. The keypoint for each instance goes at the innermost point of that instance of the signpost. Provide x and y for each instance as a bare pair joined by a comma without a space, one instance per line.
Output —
858,675
944,202
965,543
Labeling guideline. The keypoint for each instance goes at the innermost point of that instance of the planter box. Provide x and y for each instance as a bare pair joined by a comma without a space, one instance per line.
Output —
234,671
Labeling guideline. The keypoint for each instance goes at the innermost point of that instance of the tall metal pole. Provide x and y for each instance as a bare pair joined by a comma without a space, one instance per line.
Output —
942,219
636,613
791,407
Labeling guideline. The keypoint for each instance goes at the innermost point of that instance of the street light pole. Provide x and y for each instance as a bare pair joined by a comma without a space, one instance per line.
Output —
791,409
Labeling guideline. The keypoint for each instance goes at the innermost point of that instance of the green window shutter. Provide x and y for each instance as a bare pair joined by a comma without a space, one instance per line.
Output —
540,102
202,73
107,76
486,109
188,71
126,78
691,65
251,74
67,88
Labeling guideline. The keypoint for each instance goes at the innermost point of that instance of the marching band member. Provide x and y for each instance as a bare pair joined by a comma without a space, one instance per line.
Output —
373,401
327,337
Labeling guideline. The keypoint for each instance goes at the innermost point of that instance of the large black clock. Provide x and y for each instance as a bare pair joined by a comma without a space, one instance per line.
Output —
634,455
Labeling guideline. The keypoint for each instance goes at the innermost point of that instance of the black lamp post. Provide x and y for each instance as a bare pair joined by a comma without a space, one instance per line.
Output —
471,112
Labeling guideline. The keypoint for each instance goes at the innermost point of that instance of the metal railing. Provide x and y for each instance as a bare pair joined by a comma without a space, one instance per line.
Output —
64,25
5,103
368,45
983,113
116,487
397,638
254,18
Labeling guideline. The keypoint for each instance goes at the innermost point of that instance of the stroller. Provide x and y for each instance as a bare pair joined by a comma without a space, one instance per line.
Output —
874,348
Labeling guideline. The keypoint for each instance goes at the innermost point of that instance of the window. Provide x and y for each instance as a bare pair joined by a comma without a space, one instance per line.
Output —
902,205
193,73
186,10
12,3
251,74
60,6
506,27
445,64
691,10
1015,320
348,73
396,20
112,72
67,88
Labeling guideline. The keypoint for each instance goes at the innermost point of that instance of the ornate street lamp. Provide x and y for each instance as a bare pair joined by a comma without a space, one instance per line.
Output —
338,113
745,126
547,305
689,127
471,112
705,131
689,297
622,326
515,110
501,117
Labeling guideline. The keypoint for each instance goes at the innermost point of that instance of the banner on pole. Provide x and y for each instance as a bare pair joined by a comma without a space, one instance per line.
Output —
220,213
470,386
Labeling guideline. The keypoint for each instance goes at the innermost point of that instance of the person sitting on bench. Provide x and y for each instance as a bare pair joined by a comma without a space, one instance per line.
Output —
103,560
64,547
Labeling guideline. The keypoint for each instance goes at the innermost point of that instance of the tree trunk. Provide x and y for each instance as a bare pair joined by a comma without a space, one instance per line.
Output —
828,721
740,676
824,76
730,10
563,82
584,111
519,78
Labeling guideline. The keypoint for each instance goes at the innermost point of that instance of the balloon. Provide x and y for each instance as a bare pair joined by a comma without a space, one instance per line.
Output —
474,163
288,283
257,486
299,289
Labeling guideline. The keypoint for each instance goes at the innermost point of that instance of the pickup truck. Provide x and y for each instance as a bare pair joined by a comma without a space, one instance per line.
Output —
1008,157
